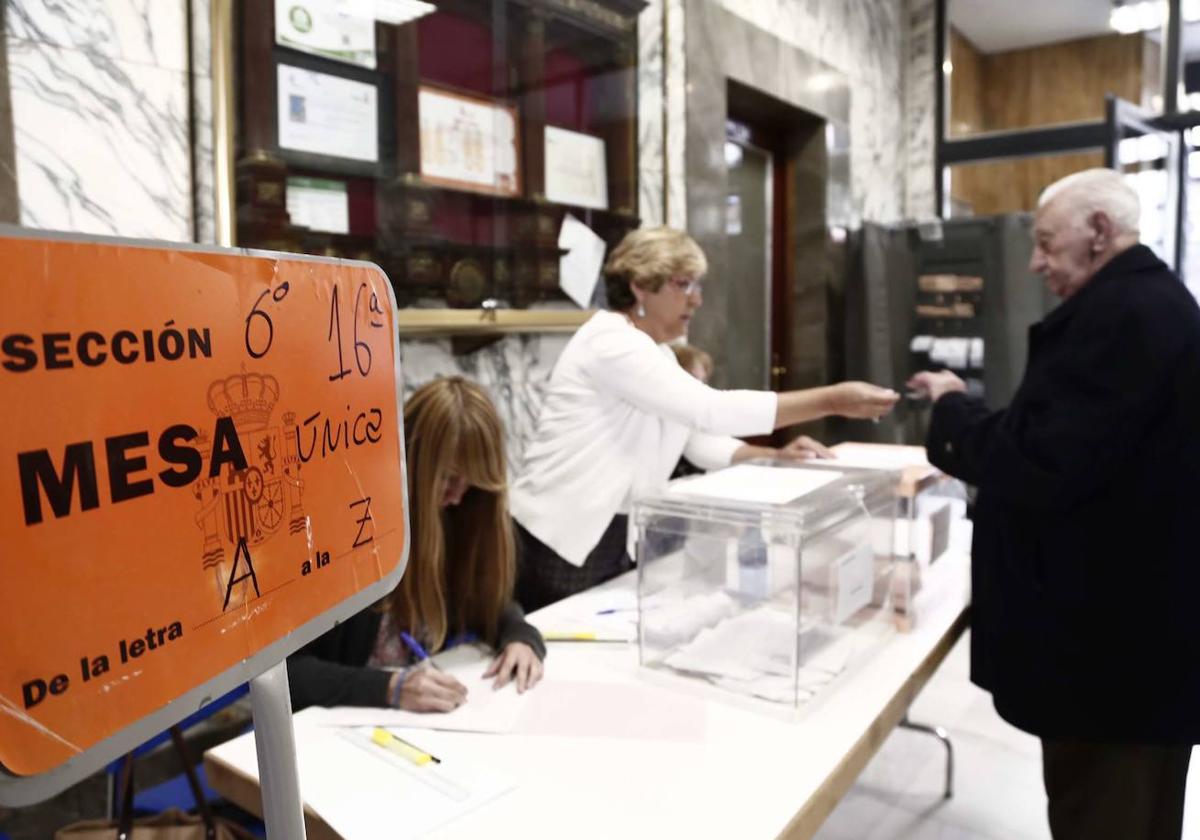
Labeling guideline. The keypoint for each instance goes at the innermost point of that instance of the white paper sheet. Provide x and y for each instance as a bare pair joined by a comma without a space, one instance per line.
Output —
754,654
613,710
368,793
607,615
877,457
855,577
486,709
753,483
327,115
744,647
579,268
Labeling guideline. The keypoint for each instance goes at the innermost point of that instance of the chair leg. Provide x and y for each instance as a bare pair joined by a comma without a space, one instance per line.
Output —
941,734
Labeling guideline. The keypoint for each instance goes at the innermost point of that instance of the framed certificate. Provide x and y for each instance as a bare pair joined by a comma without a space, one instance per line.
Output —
319,203
327,115
469,142
575,169
332,29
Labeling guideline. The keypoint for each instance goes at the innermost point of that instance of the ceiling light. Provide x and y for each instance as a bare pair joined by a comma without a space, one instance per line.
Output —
1140,16
401,11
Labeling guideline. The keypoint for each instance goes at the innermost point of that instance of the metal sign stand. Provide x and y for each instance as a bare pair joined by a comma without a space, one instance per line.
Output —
275,742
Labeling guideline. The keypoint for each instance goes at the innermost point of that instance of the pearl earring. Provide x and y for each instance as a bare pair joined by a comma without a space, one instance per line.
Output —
641,313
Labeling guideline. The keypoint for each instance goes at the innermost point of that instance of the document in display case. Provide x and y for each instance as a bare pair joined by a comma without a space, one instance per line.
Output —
466,133
469,142
331,29
765,582
327,115
575,169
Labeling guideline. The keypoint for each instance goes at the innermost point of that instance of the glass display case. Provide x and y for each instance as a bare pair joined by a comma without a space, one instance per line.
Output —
446,142
765,583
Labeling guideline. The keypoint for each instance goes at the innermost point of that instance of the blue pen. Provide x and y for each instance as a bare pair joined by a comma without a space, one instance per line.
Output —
417,650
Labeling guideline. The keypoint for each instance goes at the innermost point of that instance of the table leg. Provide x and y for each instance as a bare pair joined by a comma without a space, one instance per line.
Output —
941,734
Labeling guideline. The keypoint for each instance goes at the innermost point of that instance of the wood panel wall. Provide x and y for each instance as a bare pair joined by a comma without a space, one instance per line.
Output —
966,87
1039,86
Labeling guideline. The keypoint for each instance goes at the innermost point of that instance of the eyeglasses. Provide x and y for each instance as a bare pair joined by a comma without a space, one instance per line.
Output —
687,285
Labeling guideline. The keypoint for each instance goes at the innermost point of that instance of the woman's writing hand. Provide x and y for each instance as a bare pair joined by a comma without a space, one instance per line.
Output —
518,662
427,689
861,400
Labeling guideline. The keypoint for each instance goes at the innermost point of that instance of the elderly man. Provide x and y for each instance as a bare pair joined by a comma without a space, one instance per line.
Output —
1086,559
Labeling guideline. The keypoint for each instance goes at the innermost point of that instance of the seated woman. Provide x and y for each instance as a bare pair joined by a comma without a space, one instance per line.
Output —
459,580
619,411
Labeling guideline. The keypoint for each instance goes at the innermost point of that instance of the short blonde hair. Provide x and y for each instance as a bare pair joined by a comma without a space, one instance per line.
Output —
689,356
646,258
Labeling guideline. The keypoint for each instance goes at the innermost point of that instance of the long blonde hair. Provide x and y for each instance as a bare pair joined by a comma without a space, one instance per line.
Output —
462,563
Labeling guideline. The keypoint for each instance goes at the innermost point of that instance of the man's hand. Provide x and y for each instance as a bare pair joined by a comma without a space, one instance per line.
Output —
804,448
936,385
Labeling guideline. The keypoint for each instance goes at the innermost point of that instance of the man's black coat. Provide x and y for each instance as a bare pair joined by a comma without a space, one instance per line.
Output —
1086,555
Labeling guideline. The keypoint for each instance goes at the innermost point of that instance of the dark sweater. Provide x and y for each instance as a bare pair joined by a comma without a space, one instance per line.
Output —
332,669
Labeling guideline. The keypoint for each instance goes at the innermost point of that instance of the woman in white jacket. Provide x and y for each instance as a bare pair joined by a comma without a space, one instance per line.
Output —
619,411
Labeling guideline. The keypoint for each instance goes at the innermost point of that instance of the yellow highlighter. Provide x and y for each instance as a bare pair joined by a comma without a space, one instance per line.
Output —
570,636
401,747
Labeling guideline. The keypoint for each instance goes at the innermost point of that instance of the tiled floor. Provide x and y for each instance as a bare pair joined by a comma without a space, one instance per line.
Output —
998,784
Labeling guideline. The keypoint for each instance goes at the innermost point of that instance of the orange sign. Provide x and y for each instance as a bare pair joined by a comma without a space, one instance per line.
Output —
203,451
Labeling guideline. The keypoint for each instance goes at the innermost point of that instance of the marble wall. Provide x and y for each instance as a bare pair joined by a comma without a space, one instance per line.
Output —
651,162
100,116
919,108
204,206
661,141
514,370
864,40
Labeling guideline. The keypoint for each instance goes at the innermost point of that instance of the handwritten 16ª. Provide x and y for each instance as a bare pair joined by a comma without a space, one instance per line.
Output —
361,348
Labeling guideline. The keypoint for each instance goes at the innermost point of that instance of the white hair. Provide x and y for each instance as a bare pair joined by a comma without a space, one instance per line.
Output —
1095,190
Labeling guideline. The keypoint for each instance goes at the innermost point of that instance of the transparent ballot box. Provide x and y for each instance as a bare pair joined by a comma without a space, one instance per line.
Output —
765,582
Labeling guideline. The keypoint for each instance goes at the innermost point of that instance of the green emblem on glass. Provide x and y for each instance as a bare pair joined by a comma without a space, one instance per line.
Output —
300,19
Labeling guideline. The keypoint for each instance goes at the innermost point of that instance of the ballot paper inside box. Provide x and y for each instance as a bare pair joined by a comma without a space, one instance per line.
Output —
765,582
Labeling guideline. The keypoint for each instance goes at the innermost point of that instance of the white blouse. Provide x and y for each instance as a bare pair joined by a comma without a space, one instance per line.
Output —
618,413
